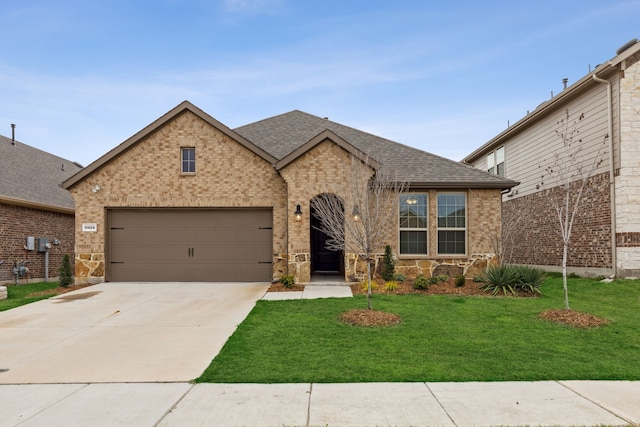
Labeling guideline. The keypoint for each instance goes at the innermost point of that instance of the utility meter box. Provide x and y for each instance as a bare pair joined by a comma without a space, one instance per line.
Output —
43,244
30,244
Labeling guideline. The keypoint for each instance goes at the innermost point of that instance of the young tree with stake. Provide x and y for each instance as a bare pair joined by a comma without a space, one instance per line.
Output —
571,170
371,199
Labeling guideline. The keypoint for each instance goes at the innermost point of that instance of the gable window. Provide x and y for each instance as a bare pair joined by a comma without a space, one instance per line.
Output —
188,155
452,223
413,224
495,162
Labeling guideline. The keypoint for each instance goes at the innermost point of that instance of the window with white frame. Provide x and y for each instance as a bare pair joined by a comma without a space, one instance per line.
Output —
495,162
452,223
413,224
491,162
188,155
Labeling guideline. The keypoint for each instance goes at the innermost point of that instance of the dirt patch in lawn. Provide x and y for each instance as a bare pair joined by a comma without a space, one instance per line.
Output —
59,290
359,317
573,318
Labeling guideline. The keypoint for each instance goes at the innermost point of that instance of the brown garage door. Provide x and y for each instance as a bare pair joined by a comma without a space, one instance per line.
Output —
208,245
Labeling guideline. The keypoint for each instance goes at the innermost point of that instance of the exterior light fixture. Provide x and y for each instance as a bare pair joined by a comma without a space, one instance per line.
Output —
298,213
96,188
356,213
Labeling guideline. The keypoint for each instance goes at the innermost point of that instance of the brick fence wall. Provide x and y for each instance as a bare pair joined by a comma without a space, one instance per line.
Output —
16,223
537,231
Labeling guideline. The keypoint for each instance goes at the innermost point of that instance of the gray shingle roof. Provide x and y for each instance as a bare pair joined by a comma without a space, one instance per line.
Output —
282,134
33,175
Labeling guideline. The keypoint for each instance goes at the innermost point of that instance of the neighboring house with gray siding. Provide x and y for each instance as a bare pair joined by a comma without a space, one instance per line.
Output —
189,199
605,107
34,204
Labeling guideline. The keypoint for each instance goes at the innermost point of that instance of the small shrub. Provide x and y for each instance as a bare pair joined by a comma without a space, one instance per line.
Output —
65,276
573,276
288,281
364,286
399,277
434,280
421,283
388,265
391,286
478,279
460,281
442,278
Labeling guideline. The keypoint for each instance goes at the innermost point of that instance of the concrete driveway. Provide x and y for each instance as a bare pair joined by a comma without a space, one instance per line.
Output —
123,332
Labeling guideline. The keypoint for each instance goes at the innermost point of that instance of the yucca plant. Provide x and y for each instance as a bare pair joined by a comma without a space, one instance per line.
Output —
500,279
530,279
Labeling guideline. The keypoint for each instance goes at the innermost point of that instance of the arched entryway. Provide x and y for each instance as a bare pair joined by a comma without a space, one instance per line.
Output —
324,261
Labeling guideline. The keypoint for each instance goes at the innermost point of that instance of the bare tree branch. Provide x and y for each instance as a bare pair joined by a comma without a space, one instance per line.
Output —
357,214
571,170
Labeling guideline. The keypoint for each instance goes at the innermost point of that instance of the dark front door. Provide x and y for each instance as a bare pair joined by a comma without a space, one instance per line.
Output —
323,260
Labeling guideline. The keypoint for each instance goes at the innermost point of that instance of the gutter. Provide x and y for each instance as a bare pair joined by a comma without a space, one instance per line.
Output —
612,177
36,205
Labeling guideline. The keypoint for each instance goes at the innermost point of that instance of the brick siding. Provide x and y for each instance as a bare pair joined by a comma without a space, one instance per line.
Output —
229,175
149,175
537,235
16,223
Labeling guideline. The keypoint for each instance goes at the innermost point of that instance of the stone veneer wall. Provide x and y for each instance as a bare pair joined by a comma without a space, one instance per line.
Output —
628,180
148,175
483,221
537,234
323,169
16,223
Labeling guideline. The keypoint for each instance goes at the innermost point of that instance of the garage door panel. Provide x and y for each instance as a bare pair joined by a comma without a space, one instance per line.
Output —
141,254
190,245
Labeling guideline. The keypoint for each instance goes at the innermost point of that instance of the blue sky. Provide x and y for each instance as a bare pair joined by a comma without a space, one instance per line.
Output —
79,77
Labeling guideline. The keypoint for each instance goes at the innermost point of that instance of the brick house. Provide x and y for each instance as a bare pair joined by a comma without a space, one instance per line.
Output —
605,107
189,199
33,204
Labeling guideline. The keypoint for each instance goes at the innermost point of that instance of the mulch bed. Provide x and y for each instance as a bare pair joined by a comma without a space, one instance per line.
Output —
59,290
573,318
365,317
379,318
279,287
441,288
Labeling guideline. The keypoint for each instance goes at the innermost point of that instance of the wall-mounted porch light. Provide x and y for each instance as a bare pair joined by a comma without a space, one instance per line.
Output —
356,213
298,213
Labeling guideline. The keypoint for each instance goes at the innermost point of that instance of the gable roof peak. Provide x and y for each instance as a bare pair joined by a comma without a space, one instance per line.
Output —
159,123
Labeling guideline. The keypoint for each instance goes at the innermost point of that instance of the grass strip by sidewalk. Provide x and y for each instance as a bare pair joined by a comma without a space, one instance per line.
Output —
22,294
441,338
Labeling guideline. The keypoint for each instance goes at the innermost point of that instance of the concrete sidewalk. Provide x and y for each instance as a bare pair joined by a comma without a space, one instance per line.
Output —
312,291
545,403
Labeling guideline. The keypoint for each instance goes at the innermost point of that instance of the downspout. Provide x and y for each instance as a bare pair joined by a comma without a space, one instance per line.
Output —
612,177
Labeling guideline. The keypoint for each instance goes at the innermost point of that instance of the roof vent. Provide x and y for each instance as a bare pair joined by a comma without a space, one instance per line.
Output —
564,82
626,46
13,134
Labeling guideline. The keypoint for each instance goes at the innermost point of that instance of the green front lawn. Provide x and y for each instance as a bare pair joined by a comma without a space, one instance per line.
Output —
23,294
441,338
